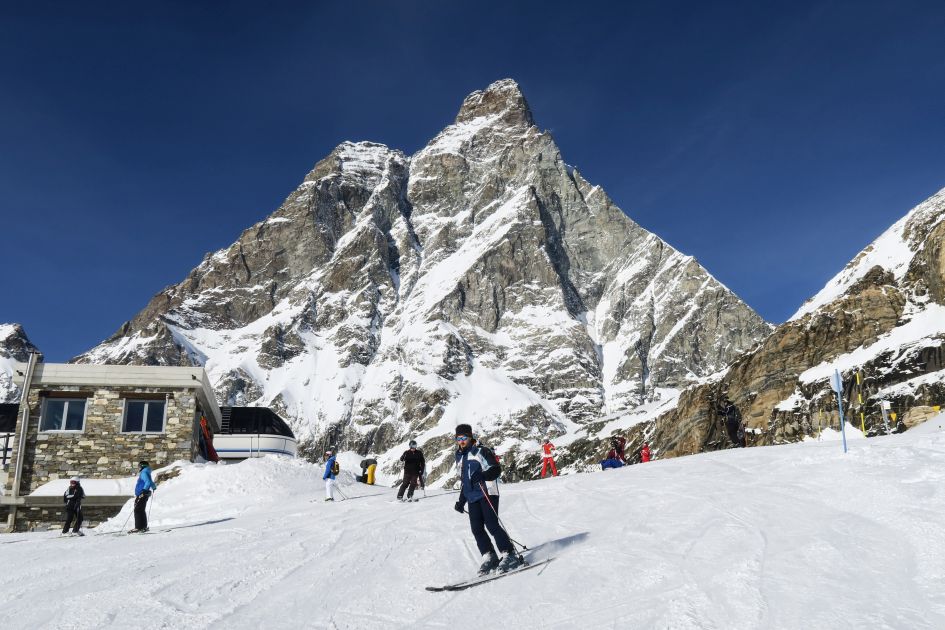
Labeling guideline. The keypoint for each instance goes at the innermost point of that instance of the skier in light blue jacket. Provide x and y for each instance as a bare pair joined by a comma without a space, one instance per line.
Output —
329,476
143,490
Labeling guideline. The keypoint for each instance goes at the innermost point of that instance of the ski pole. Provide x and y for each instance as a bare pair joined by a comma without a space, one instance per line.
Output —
338,490
133,505
485,493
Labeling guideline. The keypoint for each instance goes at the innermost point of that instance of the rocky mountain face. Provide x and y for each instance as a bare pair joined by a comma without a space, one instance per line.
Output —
880,322
481,280
15,347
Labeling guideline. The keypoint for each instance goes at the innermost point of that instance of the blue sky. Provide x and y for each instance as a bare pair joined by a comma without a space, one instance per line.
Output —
771,140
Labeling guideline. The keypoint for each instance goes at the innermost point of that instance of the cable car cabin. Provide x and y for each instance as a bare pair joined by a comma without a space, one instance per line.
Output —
253,432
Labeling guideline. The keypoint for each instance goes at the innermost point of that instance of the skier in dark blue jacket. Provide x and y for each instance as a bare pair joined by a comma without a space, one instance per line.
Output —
479,471
143,489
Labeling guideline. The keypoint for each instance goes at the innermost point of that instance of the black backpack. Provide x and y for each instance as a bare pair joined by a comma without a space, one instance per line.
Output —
335,467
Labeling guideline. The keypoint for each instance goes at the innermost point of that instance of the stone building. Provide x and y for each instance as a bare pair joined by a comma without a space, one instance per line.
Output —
97,422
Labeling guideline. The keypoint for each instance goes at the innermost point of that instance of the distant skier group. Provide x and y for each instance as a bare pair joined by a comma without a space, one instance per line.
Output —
478,469
74,495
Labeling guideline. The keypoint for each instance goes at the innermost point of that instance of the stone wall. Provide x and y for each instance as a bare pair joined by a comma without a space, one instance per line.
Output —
31,518
101,450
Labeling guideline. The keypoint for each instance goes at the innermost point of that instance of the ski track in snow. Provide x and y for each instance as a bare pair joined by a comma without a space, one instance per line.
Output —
797,536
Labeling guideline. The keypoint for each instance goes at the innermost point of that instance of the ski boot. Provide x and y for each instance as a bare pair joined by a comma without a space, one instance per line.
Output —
489,562
510,561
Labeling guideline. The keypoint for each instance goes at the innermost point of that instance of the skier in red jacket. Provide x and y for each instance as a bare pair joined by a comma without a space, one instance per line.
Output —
645,453
548,458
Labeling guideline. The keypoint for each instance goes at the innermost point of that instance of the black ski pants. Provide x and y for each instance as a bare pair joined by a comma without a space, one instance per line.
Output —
410,480
70,515
141,512
482,517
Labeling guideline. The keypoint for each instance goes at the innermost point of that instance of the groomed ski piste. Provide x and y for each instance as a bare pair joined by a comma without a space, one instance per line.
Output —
795,536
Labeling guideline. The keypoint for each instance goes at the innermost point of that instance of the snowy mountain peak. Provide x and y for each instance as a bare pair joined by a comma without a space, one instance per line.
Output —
482,281
15,347
502,100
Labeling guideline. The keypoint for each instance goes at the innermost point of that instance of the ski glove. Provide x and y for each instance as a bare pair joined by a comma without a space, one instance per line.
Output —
459,507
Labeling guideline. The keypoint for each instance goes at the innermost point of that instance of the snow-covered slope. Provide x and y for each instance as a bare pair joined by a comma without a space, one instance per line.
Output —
797,536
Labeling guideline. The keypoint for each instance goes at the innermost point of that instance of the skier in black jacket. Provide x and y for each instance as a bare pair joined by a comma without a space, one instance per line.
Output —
414,466
73,501
733,422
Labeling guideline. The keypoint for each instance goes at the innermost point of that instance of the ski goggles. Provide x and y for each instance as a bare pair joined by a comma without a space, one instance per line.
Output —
462,438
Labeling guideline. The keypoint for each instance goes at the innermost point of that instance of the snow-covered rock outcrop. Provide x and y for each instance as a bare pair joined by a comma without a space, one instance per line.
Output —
880,322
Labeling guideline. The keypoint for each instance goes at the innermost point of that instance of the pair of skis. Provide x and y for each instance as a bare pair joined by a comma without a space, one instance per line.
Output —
163,530
491,577
132,532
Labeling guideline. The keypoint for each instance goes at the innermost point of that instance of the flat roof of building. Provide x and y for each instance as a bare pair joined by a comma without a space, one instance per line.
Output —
79,374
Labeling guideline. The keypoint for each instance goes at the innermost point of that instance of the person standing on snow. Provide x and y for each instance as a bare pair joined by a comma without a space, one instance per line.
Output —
645,453
73,501
143,489
414,465
548,458
329,476
479,471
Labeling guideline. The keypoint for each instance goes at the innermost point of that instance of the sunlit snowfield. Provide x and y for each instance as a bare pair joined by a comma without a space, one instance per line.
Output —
800,536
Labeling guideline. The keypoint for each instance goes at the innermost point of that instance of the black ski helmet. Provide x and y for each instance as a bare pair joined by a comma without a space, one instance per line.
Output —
142,465
413,444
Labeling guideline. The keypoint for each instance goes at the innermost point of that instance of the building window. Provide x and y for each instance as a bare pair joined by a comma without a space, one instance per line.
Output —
143,416
63,414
